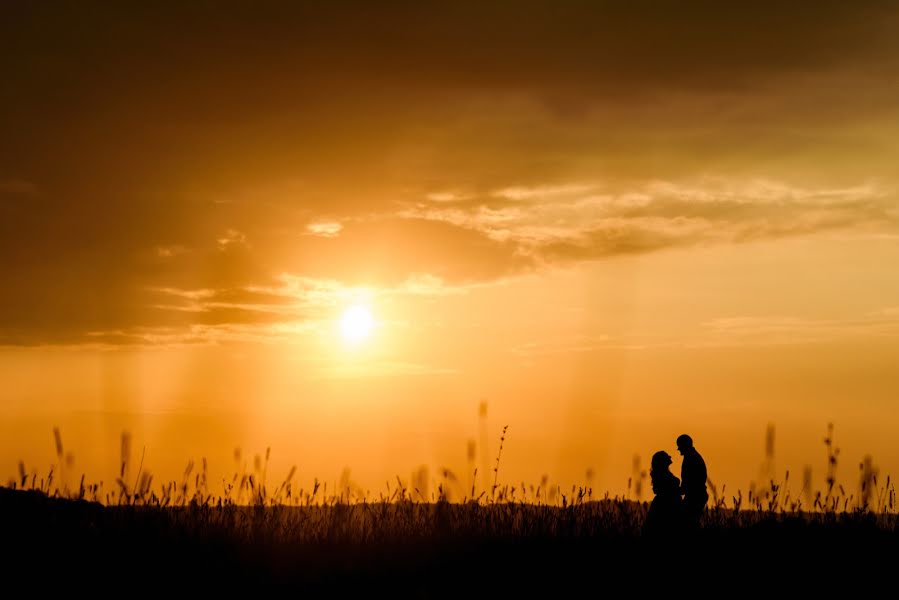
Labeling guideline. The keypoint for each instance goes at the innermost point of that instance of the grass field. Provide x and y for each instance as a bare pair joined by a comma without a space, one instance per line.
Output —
409,544
428,549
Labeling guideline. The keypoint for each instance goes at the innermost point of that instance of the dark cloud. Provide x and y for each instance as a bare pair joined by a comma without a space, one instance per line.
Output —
174,90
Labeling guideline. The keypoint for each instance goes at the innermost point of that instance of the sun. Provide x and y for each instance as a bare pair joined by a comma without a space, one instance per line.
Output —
356,323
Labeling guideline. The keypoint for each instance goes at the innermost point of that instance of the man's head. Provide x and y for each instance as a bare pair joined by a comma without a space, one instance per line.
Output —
684,444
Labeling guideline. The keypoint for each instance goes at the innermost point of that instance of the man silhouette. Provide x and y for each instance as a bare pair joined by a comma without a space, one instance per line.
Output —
693,476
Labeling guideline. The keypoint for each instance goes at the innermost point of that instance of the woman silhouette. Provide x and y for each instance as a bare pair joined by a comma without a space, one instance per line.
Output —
664,514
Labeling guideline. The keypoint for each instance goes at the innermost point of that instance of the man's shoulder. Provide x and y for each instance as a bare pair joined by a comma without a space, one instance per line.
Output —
694,458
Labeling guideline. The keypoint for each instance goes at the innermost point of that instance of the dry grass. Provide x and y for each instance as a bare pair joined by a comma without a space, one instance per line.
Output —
313,513
181,535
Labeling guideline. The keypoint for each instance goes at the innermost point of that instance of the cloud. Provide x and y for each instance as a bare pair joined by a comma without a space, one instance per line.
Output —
723,332
778,330
170,251
583,222
428,83
385,249
445,196
425,284
191,334
232,238
432,147
289,308
417,249
571,344
540,192
324,228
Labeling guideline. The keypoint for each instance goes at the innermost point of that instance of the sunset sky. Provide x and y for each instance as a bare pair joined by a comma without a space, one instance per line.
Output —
613,222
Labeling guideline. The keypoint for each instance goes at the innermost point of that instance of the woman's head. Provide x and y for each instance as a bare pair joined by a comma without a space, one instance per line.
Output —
660,461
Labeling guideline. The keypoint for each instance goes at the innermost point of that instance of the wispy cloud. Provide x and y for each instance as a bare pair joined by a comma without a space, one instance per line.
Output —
533,226
291,307
327,229
200,294
232,238
171,251
425,284
580,221
723,332
761,191
779,330
196,334
571,344
541,192
447,196
889,311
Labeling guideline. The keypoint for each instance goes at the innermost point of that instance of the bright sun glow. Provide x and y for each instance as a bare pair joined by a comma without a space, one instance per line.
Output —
356,323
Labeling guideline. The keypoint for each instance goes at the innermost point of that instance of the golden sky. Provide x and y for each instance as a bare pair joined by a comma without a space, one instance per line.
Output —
614,222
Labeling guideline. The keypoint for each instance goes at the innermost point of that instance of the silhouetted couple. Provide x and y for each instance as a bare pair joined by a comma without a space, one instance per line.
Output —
668,513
